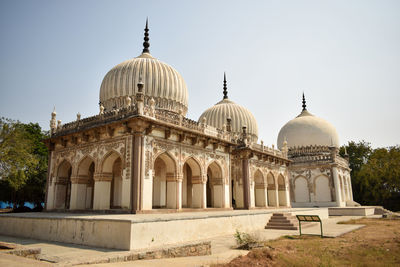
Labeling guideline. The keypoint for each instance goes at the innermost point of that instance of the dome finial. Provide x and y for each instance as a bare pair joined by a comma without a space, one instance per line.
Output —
146,43
225,88
304,103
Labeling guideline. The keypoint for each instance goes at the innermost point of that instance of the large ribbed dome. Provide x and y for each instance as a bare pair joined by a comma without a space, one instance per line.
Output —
240,116
307,130
161,82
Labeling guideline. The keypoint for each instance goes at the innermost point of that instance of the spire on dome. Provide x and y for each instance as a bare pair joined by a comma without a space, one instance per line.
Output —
304,103
225,88
146,43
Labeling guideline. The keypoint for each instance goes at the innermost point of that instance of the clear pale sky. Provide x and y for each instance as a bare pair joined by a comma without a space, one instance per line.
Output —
345,56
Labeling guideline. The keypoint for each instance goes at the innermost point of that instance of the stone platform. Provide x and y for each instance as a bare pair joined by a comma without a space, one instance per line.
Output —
352,211
138,231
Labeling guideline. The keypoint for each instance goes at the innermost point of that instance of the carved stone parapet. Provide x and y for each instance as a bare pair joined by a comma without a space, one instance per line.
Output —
103,177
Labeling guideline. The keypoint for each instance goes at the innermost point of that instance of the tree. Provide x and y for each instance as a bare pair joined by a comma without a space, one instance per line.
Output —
358,154
23,162
380,178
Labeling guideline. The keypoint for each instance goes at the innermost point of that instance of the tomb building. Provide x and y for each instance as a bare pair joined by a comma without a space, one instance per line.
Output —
141,153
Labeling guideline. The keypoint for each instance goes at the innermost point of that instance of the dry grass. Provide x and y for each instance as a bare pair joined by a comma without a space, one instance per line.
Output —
376,244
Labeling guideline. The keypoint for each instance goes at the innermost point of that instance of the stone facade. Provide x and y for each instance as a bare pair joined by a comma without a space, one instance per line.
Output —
138,159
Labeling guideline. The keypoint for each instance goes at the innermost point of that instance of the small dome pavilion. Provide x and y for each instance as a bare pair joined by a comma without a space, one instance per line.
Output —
240,116
308,130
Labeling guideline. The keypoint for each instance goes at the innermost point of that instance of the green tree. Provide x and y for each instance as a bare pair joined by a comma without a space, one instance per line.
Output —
358,154
380,178
23,162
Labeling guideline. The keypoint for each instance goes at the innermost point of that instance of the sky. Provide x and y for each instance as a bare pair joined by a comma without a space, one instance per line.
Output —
344,55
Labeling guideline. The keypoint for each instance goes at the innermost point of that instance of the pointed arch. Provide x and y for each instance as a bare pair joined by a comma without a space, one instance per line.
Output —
63,185
322,190
282,190
108,160
271,189
259,189
301,192
192,174
165,172
214,185
112,166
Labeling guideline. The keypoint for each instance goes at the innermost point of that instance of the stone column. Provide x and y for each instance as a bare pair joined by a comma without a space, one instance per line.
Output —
78,192
287,194
179,199
276,194
172,191
48,199
337,185
253,194
102,191
266,195
137,171
246,182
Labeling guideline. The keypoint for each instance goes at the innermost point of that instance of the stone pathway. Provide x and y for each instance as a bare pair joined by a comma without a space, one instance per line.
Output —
222,252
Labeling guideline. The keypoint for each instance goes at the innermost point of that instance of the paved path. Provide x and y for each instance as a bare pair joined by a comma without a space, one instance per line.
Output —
65,254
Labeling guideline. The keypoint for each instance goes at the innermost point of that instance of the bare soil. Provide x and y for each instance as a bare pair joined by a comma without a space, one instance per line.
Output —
376,244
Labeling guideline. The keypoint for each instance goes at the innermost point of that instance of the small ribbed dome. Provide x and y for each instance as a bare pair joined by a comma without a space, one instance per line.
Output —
307,130
161,81
240,116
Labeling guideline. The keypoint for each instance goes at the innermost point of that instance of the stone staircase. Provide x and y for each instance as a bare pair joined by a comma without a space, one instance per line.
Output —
282,221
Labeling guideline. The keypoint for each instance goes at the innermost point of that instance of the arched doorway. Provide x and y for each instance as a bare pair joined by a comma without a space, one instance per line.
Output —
215,186
116,185
322,190
259,189
83,187
63,185
191,176
164,183
271,188
282,191
112,187
301,192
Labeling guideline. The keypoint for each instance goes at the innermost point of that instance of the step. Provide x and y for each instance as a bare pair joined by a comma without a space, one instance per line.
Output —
281,224
281,228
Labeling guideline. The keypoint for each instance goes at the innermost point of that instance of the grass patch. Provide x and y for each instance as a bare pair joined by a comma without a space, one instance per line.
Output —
376,244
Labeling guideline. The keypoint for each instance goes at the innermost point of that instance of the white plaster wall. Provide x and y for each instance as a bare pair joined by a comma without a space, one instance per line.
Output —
147,193
227,201
101,199
197,197
260,197
218,197
50,197
282,198
158,233
252,195
239,196
96,233
78,196
301,193
272,198
323,192
126,193
171,195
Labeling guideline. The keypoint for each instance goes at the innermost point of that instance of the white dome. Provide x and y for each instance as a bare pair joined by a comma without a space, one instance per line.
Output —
306,130
161,81
240,116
